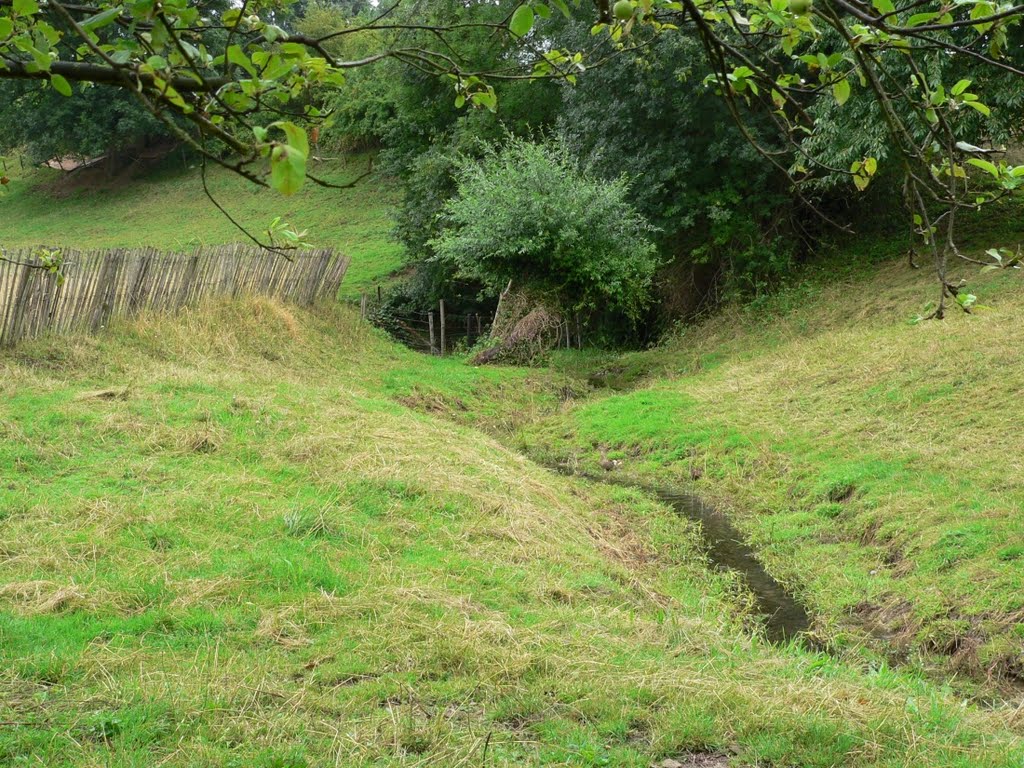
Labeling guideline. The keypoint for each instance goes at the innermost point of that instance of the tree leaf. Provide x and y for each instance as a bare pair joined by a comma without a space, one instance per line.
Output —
25,7
287,169
985,165
486,99
979,106
522,21
921,18
60,85
101,19
237,56
960,87
296,136
841,90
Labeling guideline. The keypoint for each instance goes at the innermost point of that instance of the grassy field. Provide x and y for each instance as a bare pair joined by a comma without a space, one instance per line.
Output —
874,461
166,208
250,535
242,537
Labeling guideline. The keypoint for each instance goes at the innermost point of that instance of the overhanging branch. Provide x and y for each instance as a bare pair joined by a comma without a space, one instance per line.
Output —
84,72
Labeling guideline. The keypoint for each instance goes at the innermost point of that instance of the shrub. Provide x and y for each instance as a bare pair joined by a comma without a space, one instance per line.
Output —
528,213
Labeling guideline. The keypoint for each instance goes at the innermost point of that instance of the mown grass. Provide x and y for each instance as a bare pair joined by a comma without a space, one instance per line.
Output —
225,541
874,461
166,208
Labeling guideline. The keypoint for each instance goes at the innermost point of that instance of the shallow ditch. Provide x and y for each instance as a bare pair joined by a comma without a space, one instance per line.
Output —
784,617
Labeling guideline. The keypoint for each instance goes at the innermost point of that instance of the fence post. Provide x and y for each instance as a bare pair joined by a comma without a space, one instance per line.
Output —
501,298
579,333
430,323
18,307
378,295
469,330
362,307
479,327
442,327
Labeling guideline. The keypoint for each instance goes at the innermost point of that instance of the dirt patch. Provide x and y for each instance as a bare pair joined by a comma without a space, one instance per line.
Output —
958,639
106,173
891,623
841,494
694,760
870,534
433,403
70,163
103,394
618,540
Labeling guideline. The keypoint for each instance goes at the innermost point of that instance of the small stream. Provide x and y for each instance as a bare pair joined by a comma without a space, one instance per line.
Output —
785,618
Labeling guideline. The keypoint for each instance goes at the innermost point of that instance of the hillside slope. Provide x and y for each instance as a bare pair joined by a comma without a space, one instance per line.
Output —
225,541
875,462
165,207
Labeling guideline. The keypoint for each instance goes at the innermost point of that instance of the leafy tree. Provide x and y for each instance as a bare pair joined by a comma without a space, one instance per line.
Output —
721,212
91,122
527,214
857,128
220,71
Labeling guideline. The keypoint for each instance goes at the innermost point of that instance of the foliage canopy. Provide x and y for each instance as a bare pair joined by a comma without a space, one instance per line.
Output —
238,83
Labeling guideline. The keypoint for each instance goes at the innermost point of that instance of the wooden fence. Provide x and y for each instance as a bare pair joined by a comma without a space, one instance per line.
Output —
93,287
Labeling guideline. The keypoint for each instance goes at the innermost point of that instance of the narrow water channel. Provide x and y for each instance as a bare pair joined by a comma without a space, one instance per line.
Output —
785,618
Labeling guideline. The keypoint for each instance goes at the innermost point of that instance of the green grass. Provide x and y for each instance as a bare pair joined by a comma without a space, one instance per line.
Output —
166,208
253,536
874,462
241,537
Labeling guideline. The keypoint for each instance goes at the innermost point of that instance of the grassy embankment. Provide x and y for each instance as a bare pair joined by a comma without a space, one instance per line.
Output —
227,539
875,462
166,208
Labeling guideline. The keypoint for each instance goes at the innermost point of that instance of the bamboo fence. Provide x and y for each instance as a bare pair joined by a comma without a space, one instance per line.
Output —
93,287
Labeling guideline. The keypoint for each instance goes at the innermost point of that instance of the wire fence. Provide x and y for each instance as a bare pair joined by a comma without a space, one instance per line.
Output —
435,332
64,290
439,332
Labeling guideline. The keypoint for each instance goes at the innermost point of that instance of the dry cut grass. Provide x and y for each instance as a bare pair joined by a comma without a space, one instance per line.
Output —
329,578
875,462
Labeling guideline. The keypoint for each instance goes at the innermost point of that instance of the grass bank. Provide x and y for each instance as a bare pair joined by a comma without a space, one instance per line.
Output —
165,207
873,461
239,537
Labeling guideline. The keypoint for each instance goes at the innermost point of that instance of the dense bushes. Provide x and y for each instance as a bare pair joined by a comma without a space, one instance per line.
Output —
723,218
93,121
721,211
527,214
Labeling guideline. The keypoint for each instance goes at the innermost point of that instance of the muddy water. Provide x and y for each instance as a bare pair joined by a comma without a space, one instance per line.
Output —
784,617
